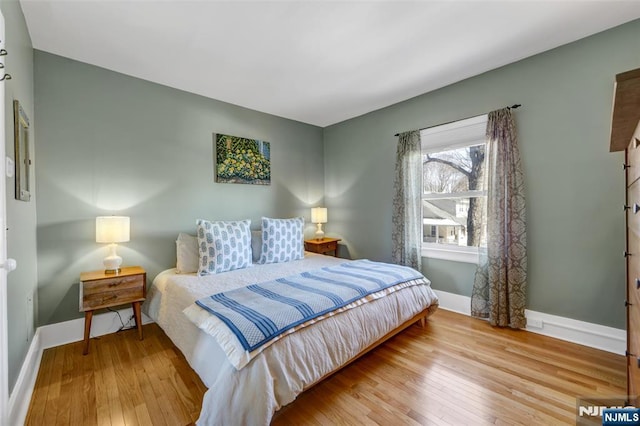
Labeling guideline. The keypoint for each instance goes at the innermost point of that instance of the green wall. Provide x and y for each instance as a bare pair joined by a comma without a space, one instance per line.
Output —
21,216
113,144
574,186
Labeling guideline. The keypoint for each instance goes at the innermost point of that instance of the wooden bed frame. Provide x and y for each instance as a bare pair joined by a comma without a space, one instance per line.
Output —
421,317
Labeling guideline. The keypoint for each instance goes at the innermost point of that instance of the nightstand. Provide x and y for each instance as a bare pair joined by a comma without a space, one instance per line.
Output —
99,290
322,246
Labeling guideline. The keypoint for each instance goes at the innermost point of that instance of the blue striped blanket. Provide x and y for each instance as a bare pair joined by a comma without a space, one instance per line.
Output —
258,313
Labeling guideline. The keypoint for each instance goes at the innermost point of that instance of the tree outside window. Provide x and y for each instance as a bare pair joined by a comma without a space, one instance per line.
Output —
454,186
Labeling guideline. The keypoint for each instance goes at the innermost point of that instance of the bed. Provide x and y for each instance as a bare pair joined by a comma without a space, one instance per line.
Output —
274,375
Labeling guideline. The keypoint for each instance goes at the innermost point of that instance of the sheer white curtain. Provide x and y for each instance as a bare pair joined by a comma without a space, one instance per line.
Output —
499,290
407,210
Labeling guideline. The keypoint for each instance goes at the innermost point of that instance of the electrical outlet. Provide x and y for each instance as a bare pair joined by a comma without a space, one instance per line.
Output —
29,313
534,323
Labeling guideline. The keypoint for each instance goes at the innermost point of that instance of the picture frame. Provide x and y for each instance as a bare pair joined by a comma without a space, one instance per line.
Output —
241,160
22,153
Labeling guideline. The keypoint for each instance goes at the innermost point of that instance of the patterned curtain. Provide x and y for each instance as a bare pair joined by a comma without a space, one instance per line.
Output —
500,283
407,212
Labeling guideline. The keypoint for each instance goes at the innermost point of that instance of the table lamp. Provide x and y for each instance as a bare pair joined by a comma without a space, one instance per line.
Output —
112,230
319,216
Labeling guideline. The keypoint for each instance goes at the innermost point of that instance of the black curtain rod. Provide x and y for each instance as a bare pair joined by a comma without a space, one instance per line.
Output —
514,106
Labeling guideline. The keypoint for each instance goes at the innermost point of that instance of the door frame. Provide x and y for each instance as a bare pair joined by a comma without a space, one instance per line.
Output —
4,350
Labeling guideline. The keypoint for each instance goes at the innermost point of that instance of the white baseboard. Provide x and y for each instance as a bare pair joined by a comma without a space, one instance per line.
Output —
73,330
52,335
584,333
21,395
454,302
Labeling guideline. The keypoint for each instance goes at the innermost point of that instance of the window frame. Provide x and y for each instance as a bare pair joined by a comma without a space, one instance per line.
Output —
449,136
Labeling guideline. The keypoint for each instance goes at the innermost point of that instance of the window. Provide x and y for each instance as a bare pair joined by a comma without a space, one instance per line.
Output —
454,190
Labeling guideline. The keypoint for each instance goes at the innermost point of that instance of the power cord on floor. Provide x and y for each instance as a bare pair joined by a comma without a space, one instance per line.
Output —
124,326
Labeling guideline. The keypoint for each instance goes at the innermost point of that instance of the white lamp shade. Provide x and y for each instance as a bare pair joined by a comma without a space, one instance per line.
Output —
319,215
112,229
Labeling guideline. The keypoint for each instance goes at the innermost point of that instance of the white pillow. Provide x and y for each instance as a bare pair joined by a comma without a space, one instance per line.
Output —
282,240
223,246
187,254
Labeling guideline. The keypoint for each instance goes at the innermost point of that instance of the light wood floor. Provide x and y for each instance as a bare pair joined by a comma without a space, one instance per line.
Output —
456,371
122,381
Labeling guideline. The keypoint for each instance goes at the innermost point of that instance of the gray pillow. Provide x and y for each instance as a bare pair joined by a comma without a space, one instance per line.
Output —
187,255
256,245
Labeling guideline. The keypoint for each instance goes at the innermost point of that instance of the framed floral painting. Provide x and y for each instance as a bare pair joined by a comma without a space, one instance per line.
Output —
241,160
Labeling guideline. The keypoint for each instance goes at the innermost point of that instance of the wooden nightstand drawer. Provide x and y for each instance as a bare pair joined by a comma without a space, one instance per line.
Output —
111,298
101,290
113,284
325,245
98,290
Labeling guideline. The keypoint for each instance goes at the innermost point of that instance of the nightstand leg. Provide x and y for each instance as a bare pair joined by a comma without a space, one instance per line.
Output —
136,313
88,315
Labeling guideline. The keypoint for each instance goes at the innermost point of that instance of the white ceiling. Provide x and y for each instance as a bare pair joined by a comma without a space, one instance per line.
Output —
319,62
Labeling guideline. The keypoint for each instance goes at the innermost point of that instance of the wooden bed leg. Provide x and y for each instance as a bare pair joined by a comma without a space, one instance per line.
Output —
423,322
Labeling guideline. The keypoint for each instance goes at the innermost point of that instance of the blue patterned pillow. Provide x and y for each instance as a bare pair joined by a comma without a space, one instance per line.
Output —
282,240
223,246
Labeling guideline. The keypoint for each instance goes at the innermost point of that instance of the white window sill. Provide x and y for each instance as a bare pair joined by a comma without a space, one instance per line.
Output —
455,255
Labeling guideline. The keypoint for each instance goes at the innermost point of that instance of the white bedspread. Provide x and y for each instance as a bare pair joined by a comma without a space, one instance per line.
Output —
283,370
